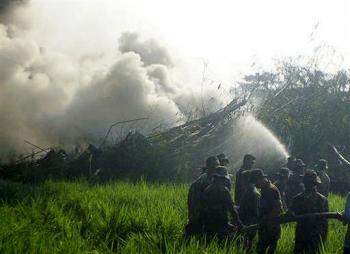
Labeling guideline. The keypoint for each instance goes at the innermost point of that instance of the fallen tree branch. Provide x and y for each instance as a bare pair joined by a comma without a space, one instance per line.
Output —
32,154
340,157
29,143
121,122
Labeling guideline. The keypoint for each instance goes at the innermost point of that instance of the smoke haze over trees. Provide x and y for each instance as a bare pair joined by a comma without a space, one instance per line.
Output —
307,108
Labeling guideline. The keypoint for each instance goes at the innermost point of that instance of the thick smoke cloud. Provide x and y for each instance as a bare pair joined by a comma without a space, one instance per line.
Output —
31,89
150,51
51,98
138,84
6,5
14,14
125,92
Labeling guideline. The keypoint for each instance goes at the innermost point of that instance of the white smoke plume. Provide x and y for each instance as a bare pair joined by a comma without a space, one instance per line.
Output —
54,98
51,98
150,51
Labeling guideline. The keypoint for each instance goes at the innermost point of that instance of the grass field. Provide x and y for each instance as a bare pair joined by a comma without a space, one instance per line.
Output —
60,217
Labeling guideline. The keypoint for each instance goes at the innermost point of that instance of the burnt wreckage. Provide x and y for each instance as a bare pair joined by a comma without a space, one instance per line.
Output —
173,154
170,155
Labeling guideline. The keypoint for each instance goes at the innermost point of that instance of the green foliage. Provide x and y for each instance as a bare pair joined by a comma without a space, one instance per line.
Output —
122,217
305,107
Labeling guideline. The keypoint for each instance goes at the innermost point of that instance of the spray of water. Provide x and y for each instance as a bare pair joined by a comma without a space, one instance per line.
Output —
251,136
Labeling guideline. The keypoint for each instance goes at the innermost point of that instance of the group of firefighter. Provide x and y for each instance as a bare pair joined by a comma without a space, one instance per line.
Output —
257,201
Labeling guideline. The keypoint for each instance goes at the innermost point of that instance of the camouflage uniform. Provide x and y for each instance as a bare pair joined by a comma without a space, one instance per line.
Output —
242,183
310,233
195,224
295,186
224,161
217,205
270,202
281,185
249,212
324,186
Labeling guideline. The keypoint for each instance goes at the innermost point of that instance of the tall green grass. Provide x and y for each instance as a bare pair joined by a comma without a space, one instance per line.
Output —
61,217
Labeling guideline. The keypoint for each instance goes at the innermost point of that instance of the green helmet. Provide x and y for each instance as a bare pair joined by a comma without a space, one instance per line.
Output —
322,164
284,172
212,162
223,159
254,175
311,177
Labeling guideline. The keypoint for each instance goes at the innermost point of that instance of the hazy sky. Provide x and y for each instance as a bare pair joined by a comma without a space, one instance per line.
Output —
230,35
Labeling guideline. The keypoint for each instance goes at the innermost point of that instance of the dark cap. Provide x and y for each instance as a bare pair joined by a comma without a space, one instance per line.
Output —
248,157
212,162
322,164
311,177
300,163
222,158
254,175
283,172
291,158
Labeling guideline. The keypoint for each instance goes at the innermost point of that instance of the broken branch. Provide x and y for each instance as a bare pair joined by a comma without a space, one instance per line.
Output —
121,122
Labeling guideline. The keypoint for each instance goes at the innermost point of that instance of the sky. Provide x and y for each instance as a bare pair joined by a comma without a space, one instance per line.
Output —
231,36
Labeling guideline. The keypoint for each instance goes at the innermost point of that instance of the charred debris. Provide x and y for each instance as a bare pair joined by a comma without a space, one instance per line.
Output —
170,155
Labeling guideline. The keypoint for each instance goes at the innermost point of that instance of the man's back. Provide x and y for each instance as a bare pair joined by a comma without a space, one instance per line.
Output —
216,206
197,188
295,186
270,199
194,225
249,208
313,202
270,207
310,232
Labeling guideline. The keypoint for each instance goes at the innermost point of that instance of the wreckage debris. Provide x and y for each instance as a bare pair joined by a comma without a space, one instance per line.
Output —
171,154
